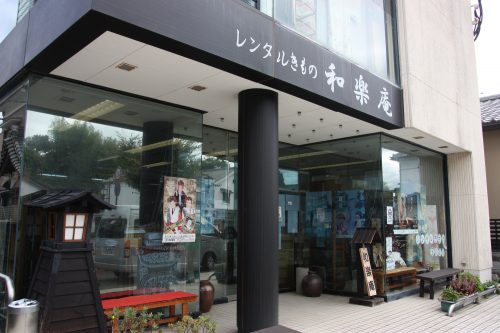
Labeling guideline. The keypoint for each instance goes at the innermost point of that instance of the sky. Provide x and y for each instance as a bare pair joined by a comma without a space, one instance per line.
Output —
487,46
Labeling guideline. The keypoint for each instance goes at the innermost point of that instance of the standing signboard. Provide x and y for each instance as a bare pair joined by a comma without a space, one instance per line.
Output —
367,271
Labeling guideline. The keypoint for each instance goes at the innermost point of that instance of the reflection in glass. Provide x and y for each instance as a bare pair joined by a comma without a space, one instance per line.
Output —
218,210
362,31
121,149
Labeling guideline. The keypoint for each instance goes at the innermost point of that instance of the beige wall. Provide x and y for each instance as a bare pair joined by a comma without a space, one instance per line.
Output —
492,156
438,76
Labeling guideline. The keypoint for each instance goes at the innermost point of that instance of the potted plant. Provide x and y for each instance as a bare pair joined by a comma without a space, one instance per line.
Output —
448,297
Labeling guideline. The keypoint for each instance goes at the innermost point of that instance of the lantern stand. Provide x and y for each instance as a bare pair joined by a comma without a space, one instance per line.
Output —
64,281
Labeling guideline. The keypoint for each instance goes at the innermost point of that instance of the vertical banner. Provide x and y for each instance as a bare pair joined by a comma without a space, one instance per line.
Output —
367,271
179,210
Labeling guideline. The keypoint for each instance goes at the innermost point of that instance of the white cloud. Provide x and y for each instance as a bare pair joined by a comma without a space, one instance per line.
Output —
8,15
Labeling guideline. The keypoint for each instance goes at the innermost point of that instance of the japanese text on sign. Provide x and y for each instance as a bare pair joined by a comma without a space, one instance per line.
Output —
367,270
300,65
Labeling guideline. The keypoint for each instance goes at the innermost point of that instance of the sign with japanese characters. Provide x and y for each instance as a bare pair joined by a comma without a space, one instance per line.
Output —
367,271
256,47
301,62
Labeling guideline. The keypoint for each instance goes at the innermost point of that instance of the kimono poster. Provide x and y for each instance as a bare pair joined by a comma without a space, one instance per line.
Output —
350,212
318,215
179,210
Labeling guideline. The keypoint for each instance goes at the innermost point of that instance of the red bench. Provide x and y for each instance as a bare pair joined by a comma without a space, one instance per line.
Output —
152,301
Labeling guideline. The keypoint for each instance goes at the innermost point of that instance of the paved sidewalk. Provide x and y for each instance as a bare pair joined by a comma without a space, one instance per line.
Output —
330,313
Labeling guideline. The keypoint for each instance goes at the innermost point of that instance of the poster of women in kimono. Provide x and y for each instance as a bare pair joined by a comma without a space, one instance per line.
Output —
179,210
318,215
349,212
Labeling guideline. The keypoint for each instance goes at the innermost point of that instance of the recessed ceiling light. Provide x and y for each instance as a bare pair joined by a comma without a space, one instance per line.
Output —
299,113
126,67
321,120
331,135
66,99
289,135
357,131
418,137
222,119
293,125
443,147
197,88
340,125
307,140
314,131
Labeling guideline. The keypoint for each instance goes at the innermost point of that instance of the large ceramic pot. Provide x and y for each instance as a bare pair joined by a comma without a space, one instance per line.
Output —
312,285
207,292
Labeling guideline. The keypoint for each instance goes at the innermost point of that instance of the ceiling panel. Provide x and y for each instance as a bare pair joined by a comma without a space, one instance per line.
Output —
97,56
166,76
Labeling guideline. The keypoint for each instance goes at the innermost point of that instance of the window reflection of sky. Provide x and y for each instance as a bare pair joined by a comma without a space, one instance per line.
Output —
40,123
390,169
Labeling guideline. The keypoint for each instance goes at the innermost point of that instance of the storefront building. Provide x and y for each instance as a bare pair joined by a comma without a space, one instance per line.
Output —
241,140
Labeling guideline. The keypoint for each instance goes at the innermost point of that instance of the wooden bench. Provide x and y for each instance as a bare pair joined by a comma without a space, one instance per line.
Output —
152,301
394,278
434,276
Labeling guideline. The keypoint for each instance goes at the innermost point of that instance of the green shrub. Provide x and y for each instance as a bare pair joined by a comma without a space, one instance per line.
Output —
202,324
136,322
450,294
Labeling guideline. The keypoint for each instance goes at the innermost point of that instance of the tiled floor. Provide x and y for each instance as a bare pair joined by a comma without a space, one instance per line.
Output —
334,314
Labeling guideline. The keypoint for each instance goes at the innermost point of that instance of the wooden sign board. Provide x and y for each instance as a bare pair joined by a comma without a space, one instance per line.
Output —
367,271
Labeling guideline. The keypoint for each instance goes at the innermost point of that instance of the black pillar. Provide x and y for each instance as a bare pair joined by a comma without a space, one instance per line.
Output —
151,177
257,210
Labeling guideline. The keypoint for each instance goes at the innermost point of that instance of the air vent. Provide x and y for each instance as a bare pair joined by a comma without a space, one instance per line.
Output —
197,88
66,99
418,137
126,67
443,147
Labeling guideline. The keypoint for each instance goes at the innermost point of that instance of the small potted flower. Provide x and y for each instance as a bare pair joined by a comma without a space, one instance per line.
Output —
448,297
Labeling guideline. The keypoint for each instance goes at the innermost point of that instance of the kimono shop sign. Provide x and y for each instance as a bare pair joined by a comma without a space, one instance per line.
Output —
333,74
179,211
367,270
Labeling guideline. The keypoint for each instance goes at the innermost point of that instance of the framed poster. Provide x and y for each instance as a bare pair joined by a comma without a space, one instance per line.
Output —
179,210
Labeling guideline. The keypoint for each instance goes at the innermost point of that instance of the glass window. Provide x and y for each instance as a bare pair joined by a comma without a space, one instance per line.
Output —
13,112
128,152
359,30
219,209
328,190
414,200
74,227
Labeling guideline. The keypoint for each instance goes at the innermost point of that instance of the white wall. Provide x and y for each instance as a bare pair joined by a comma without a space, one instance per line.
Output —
438,77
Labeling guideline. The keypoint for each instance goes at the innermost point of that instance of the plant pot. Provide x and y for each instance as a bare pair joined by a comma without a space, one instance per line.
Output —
207,293
445,305
312,285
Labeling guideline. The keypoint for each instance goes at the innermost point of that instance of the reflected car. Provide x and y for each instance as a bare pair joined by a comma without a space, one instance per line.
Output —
116,242
214,246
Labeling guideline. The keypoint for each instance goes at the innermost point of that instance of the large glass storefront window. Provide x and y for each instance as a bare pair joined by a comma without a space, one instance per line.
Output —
219,211
415,214
327,191
142,157
360,30
12,108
